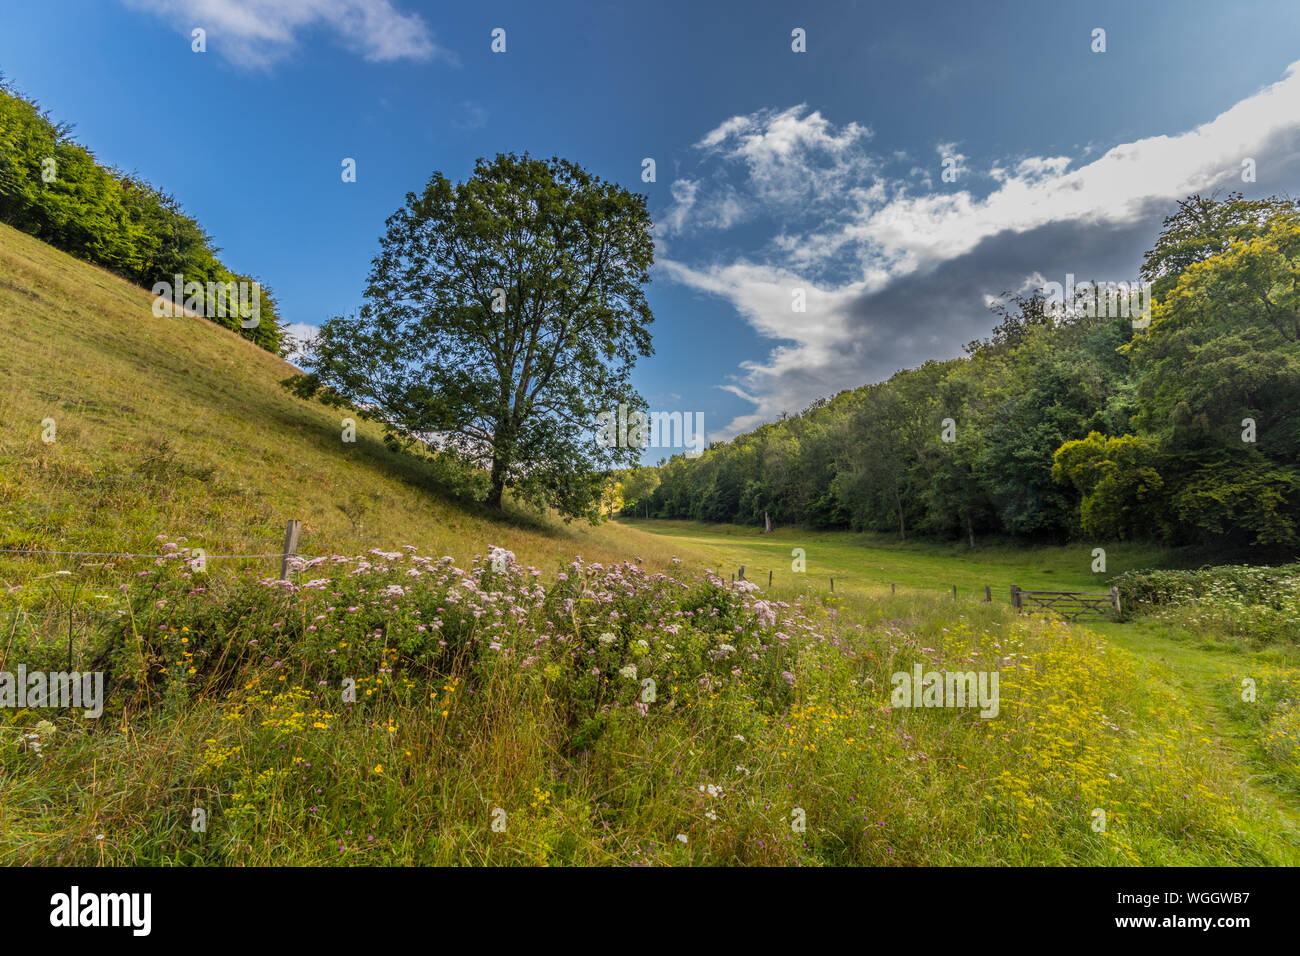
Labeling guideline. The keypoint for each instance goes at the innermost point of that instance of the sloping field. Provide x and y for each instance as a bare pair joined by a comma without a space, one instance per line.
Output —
178,427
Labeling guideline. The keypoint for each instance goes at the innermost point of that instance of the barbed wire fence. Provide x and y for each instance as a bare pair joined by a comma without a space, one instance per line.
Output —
285,555
289,551
293,529
1067,604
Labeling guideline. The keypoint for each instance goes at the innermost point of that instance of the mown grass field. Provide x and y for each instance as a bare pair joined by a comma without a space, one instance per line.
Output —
871,563
516,694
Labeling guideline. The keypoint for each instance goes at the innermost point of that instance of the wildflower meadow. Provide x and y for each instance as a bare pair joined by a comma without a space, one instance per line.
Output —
396,708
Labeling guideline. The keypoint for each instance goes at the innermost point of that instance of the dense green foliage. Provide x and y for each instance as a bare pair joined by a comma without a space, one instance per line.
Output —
1149,588
1183,431
1242,605
1249,583
53,188
503,315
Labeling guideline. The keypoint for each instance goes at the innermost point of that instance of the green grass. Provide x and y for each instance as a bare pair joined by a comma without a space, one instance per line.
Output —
177,428
1209,674
1206,672
417,770
872,563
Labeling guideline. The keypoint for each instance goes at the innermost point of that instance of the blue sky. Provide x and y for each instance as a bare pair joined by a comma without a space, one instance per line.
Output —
776,170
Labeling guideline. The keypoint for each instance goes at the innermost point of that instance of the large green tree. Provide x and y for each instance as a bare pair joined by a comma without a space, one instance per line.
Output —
1219,383
502,315
639,486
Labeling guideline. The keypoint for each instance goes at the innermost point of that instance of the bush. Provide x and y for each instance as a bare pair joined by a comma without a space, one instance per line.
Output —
1250,584
1258,605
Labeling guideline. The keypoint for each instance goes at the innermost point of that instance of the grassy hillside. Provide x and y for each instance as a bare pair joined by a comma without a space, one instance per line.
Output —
178,427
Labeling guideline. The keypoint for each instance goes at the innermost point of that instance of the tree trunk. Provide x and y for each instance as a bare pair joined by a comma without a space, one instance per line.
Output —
503,453
970,530
902,527
498,485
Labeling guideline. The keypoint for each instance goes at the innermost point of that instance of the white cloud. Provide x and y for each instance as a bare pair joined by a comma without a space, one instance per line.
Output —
792,155
721,208
764,296
1113,188
674,220
257,33
793,161
1033,168
864,234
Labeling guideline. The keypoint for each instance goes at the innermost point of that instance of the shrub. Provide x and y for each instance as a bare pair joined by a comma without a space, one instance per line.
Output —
1254,604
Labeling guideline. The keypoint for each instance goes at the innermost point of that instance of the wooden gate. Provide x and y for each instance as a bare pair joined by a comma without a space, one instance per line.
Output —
1069,604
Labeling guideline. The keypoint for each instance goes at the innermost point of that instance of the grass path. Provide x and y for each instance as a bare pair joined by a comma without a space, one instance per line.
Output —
1199,673
869,564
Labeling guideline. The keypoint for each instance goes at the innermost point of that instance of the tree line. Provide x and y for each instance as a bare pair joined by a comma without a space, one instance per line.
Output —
1061,424
53,188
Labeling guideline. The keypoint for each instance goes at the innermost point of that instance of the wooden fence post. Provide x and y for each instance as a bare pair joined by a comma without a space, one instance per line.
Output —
740,575
988,594
290,546
954,592
891,589
1015,596
832,585
1114,599
769,579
